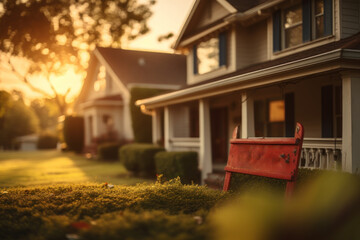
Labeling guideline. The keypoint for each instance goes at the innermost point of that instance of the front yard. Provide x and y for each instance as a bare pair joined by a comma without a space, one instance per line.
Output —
53,167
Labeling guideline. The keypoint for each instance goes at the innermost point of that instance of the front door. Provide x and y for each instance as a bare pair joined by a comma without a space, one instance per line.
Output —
219,135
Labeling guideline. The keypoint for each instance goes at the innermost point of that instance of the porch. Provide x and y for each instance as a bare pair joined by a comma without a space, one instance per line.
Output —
321,103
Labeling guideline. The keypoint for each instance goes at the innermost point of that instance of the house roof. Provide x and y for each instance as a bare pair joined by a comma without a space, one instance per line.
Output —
244,5
141,67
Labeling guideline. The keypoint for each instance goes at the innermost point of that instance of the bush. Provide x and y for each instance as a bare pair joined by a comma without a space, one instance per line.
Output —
244,182
51,212
178,164
47,141
110,150
140,158
141,123
74,133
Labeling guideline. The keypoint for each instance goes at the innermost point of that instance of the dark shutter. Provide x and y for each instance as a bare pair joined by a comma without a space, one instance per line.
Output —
328,17
306,17
222,49
195,61
327,112
277,31
289,114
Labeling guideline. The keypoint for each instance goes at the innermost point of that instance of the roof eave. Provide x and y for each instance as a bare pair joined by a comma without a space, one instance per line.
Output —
165,99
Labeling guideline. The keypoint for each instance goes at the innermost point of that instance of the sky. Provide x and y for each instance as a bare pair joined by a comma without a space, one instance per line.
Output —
168,16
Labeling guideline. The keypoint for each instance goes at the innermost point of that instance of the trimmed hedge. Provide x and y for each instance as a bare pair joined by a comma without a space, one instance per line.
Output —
141,123
109,151
178,164
97,212
47,141
74,133
140,158
243,182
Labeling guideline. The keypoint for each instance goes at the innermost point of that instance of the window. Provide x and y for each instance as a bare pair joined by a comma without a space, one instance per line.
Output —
275,117
305,21
100,82
185,118
210,54
331,111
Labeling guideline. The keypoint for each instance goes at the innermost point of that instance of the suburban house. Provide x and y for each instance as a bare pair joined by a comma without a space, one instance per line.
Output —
265,65
112,73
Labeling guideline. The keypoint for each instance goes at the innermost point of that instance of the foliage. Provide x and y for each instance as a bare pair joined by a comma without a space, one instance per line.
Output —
47,141
74,133
141,123
66,31
17,120
47,113
178,164
110,213
326,208
140,158
244,182
110,150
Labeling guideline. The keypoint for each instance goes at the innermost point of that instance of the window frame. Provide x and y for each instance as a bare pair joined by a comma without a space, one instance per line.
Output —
222,52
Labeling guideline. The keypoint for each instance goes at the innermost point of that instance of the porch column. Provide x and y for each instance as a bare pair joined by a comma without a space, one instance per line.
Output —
247,116
127,127
167,129
351,119
205,158
156,126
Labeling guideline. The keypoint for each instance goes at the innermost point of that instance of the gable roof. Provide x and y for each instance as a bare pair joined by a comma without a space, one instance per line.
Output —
141,67
239,11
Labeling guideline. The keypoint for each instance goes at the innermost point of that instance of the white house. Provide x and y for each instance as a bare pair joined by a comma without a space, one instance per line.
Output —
265,65
105,96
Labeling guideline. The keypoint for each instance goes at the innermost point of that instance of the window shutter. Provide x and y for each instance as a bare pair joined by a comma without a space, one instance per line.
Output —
222,49
289,115
328,18
306,15
195,65
277,31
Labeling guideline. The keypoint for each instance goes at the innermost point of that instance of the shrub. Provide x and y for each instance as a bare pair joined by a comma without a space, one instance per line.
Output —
178,164
140,158
48,212
74,133
110,150
141,123
240,182
47,141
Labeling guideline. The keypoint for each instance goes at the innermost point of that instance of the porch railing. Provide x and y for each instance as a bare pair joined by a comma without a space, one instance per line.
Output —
321,153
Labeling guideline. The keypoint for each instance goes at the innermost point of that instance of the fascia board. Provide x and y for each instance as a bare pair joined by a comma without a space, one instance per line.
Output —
227,6
186,24
291,66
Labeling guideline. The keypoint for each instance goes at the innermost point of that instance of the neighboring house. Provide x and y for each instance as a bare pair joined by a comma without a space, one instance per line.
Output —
265,65
28,142
105,96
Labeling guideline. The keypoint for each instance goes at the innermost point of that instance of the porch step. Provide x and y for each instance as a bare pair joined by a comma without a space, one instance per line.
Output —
215,180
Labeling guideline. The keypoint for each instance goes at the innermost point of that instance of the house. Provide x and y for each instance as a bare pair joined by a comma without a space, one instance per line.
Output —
27,142
265,65
112,73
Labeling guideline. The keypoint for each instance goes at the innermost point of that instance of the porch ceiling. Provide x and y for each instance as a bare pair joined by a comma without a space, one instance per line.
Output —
335,60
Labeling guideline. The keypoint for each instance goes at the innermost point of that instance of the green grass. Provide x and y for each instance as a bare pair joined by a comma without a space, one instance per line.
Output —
53,167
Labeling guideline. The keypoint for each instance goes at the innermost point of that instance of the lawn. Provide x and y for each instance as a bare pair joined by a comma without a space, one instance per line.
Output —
54,167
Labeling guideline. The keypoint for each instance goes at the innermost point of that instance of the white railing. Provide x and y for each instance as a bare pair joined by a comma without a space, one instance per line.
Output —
321,153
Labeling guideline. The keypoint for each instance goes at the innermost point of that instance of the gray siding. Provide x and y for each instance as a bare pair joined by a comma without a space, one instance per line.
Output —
251,44
350,17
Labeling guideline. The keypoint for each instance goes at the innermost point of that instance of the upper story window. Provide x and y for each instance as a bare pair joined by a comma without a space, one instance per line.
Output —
302,22
210,54
100,82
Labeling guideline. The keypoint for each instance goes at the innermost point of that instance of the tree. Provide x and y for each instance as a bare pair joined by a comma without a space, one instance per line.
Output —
53,35
47,112
17,120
